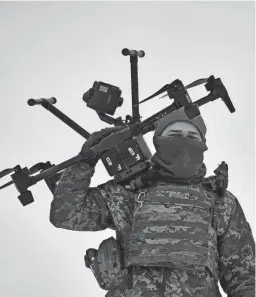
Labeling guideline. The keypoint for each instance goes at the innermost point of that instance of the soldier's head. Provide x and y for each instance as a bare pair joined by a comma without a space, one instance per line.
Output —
178,123
180,143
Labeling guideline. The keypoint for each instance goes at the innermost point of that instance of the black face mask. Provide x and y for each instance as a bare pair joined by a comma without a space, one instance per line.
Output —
182,156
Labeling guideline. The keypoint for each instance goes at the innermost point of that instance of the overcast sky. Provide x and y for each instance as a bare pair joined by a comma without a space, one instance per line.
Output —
59,49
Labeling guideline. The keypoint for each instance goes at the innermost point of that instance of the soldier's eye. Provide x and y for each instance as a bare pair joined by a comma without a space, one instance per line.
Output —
193,137
175,135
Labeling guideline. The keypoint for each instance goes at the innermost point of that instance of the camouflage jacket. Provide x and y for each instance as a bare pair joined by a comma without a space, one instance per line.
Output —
76,206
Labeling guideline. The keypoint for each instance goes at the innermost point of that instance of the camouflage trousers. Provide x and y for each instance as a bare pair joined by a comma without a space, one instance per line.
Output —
166,282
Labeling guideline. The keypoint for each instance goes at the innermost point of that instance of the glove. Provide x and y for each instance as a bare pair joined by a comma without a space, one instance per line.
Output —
95,138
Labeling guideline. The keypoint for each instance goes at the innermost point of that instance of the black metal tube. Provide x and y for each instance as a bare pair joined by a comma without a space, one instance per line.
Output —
65,119
206,99
154,118
134,85
48,172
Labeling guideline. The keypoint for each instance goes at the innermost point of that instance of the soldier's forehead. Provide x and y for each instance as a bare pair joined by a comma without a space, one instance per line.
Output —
182,126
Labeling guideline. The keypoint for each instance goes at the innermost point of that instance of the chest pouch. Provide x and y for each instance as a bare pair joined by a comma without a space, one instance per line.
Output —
105,263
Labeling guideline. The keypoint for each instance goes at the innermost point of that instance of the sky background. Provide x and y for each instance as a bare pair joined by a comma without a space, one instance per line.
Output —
59,49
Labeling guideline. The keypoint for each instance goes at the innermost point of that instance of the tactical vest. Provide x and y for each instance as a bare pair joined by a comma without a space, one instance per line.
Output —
172,228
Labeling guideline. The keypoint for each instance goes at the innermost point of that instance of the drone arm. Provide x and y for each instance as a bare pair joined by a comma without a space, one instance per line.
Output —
47,104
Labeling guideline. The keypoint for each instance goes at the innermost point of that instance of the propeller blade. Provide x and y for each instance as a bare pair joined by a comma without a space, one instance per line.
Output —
5,172
197,83
6,185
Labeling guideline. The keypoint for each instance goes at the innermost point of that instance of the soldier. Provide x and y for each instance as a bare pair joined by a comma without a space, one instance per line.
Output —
175,234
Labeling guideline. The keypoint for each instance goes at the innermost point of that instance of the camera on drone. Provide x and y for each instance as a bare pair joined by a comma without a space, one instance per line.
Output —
103,97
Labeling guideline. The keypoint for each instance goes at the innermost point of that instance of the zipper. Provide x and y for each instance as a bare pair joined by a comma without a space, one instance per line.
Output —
164,282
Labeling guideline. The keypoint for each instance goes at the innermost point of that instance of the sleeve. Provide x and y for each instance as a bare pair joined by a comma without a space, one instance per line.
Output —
237,254
75,205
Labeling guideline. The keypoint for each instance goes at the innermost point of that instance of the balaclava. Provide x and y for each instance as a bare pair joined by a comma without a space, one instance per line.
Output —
180,156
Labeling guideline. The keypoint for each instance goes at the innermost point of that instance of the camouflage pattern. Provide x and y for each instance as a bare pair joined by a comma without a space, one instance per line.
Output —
172,228
76,206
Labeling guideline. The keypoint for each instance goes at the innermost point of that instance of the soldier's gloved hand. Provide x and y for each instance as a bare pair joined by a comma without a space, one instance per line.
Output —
95,138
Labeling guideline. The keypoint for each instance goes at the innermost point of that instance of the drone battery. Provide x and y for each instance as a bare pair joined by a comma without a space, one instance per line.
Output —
112,161
143,147
103,97
132,171
131,153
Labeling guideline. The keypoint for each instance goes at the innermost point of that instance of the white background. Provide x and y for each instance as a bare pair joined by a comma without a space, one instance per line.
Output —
59,49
